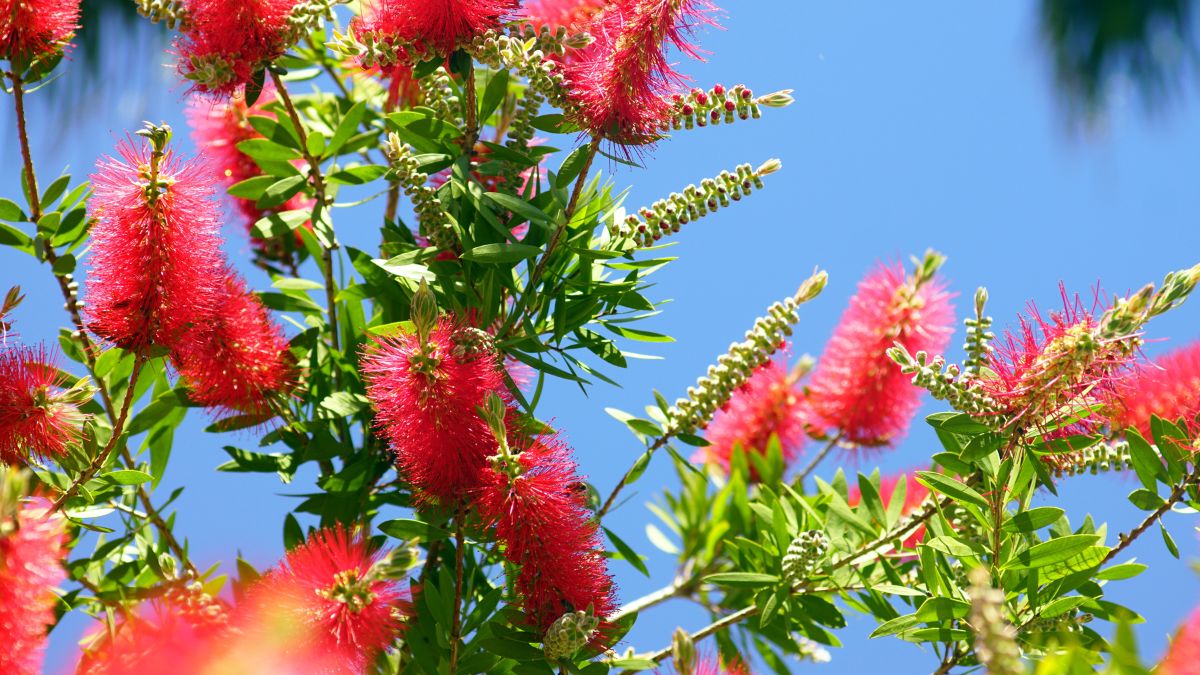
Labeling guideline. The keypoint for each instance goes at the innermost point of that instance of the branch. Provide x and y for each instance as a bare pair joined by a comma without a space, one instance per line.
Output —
812,465
678,588
1177,495
456,616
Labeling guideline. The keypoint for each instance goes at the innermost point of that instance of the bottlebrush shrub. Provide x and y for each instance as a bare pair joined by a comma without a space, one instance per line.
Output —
451,529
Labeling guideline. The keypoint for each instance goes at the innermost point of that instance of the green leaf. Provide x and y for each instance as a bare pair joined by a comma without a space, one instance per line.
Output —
627,552
518,206
1146,463
742,579
896,625
951,487
1168,539
639,335
263,149
128,477
1146,500
892,589
10,211
936,610
1122,571
315,142
660,540
65,264
501,253
1054,551
1033,519
293,536
358,175
11,236
408,529
280,191
55,191
345,128
345,404
957,423
571,166
1060,606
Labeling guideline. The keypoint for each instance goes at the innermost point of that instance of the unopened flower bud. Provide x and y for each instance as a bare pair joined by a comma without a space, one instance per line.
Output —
568,634
683,652
777,99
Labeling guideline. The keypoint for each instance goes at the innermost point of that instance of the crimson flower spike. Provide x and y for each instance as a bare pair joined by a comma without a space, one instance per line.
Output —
572,15
156,264
856,392
39,415
619,84
224,43
33,29
1183,656
1168,388
435,26
32,548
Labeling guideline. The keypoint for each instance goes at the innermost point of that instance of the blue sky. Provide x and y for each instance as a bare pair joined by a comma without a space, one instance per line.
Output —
916,125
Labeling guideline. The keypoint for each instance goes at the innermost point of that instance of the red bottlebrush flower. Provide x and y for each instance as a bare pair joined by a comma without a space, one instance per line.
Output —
156,266
856,389
1169,389
620,81
573,15
33,28
1056,365
427,404
37,416
240,359
1183,657
766,405
225,42
179,633
539,512
440,25
915,495
324,604
31,555
708,665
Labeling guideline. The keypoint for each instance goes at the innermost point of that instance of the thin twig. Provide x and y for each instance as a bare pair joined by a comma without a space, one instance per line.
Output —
118,429
812,465
678,588
1177,494
471,103
456,615
725,622
612,496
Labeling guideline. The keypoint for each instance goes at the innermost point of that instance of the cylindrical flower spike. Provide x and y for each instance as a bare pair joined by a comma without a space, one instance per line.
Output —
995,636
156,265
572,15
239,360
430,27
328,603
534,503
737,366
39,415
33,29
1183,656
856,392
700,108
767,405
804,556
667,216
432,220
32,548
427,393
1168,388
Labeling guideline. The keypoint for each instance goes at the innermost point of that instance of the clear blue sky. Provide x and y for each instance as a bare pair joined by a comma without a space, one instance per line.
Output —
917,124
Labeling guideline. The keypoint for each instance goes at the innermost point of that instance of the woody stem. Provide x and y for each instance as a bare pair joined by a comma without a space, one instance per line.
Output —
456,615
816,461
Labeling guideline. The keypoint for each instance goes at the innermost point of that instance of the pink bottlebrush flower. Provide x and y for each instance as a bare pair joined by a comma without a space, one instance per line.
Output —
177,633
1169,389
239,360
537,509
856,389
225,42
327,604
1183,657
427,399
35,28
37,415
619,83
1056,365
437,25
915,495
31,554
708,665
573,15
155,264
767,405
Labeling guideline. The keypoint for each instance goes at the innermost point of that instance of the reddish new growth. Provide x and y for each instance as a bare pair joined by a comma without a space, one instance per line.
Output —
1183,657
856,390
767,405
437,25
32,547
1169,388
573,15
239,360
225,42
427,398
915,495
217,128
1057,370
176,633
34,28
619,83
37,416
326,603
535,504
156,261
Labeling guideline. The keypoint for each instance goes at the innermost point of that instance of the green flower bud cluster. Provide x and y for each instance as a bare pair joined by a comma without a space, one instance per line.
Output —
210,70
437,93
1097,459
172,13
699,108
668,216
683,652
1068,622
307,15
568,634
737,365
995,637
978,345
805,556
431,217
501,51
545,39
369,50
945,383
520,131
